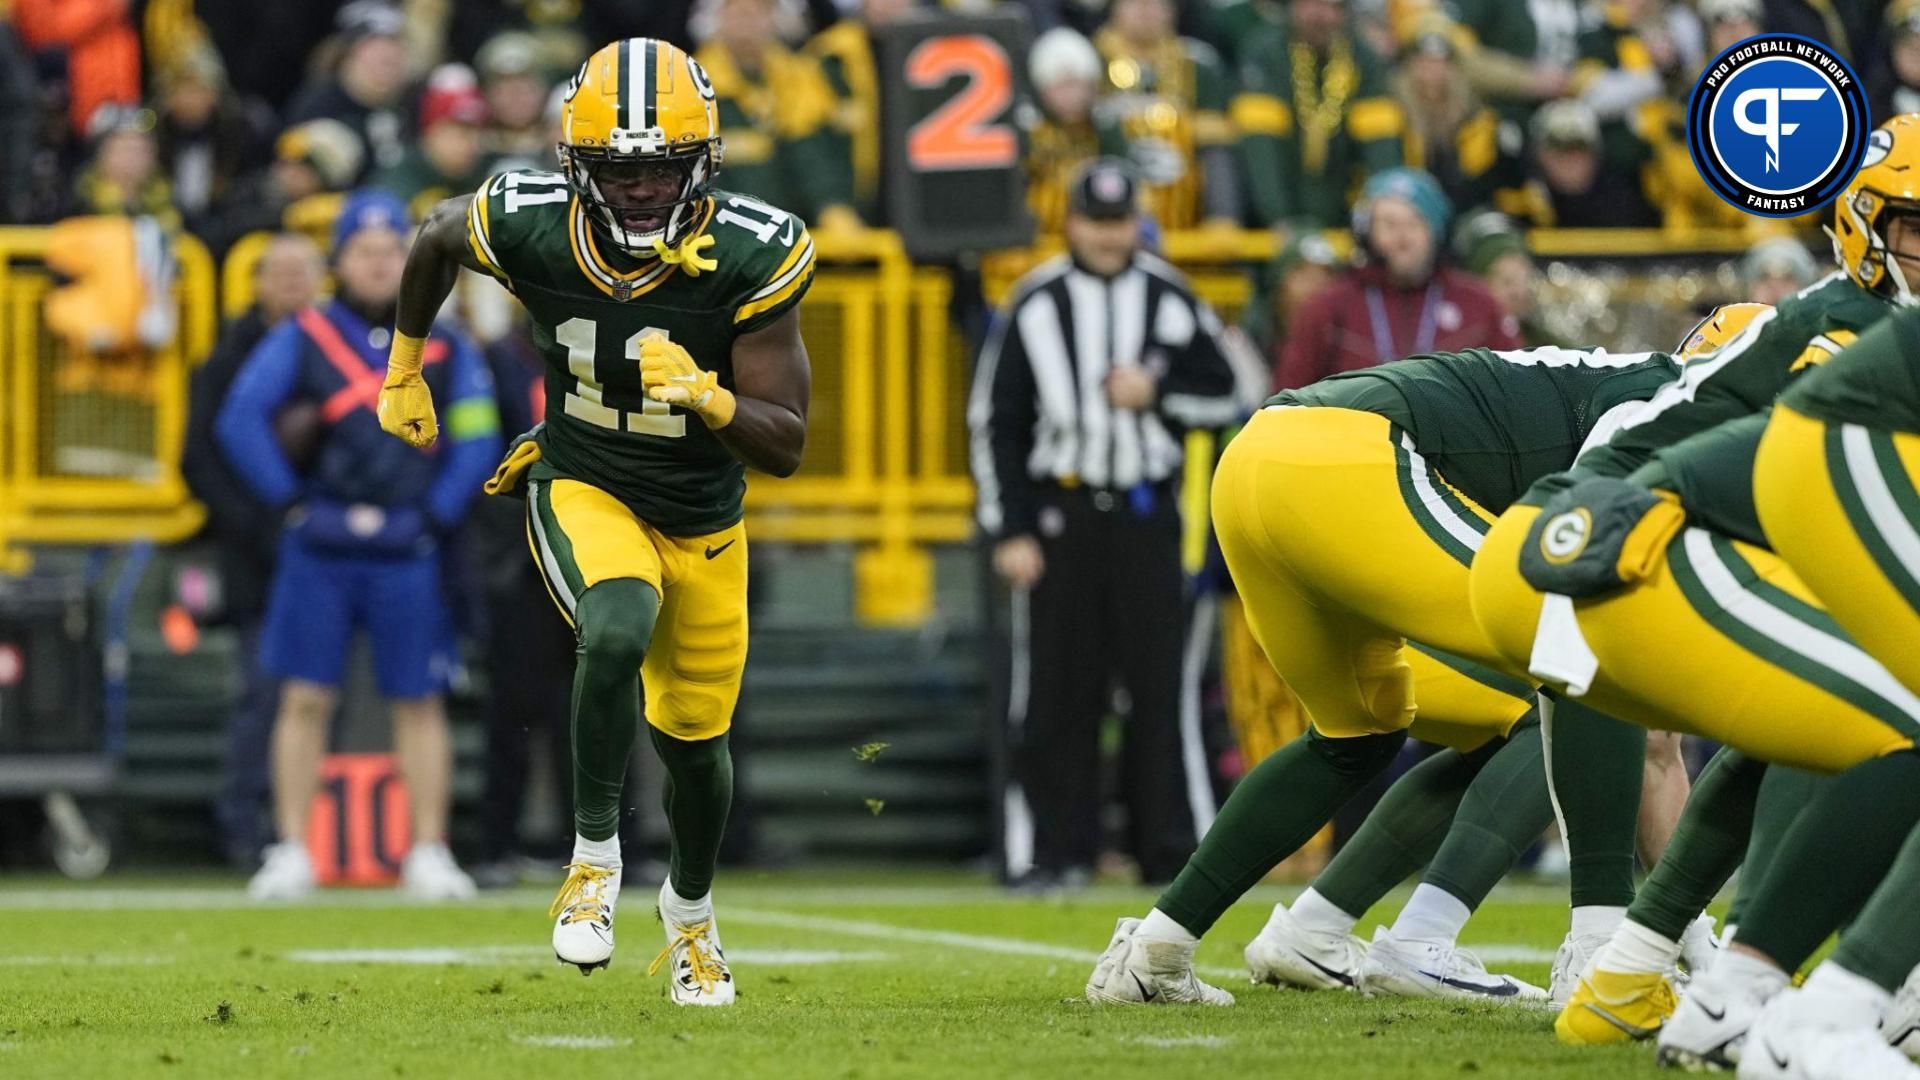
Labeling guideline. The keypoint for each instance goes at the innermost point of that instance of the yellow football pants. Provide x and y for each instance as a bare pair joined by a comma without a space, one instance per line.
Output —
1841,503
1722,640
1344,543
582,536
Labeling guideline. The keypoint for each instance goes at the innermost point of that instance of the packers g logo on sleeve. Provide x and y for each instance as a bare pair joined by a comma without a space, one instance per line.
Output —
1777,125
1566,536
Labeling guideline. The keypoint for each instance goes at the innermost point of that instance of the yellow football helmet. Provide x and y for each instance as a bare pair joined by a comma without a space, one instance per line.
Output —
1720,326
1887,186
641,108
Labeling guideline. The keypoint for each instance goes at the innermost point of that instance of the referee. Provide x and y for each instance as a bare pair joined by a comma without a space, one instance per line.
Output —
1086,386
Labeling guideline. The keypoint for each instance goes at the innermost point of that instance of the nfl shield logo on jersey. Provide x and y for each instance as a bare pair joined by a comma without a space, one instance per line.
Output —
1777,125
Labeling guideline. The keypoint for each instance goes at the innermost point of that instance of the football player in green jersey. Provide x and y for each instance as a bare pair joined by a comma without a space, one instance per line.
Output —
1348,513
667,313
1695,628
1741,804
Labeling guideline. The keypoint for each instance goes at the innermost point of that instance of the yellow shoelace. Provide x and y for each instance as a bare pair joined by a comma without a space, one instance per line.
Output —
688,256
706,969
580,877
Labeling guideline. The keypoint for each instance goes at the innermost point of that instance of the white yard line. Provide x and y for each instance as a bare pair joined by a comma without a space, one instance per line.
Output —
1204,1042
94,898
572,1042
985,943
86,960
217,899
496,954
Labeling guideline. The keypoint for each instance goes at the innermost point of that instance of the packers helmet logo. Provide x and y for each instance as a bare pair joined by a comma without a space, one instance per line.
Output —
1879,145
574,84
1566,536
700,80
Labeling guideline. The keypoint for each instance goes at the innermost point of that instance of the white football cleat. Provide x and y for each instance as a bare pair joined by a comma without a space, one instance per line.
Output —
429,873
1285,953
583,916
1405,968
1902,1024
286,873
697,969
1699,947
1571,961
1800,1036
1709,1027
1139,970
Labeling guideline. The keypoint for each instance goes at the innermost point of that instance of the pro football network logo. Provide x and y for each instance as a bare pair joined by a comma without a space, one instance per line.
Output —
1777,124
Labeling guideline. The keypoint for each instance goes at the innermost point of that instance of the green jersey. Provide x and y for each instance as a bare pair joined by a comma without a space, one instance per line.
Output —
591,305
1875,383
1494,422
1743,376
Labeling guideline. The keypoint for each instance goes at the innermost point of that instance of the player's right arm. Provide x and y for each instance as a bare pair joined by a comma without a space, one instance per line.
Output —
439,252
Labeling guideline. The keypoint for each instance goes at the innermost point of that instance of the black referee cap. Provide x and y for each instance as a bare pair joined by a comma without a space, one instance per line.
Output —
1103,188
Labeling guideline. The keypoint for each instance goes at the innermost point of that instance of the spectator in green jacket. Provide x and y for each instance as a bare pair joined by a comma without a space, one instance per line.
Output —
775,107
1316,117
1170,95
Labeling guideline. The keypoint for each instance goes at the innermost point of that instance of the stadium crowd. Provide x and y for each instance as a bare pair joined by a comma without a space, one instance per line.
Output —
1244,112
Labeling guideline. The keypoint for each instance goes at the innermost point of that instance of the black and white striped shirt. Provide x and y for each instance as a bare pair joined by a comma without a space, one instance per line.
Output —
1039,412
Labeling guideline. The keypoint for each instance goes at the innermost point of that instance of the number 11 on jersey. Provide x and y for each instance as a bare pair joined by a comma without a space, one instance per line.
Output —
586,401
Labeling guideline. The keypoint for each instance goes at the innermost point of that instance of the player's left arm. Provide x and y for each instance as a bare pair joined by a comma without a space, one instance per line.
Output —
763,419
771,381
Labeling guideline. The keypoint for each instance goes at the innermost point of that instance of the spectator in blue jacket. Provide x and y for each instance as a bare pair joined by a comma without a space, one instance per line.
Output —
361,541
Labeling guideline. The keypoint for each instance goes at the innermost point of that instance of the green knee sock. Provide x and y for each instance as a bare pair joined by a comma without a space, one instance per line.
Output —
1505,811
698,794
1706,848
1883,944
1833,857
613,626
1403,830
1596,763
1276,808
1783,794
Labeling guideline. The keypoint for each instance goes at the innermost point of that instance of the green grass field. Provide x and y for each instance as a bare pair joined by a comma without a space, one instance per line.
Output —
862,975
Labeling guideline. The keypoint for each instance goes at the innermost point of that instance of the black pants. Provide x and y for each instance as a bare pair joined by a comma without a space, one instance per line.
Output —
1109,610
530,667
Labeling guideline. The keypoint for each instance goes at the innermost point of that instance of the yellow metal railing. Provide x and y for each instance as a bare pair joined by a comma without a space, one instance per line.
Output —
90,446
885,469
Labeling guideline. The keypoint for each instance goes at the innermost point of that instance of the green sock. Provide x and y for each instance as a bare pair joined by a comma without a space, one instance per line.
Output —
1505,811
613,627
1783,794
1706,848
1276,808
1403,830
1833,857
697,796
1597,763
1883,944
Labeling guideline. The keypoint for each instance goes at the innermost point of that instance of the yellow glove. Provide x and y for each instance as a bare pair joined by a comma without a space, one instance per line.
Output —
672,378
521,456
406,405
